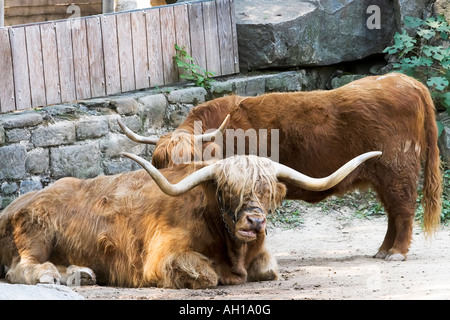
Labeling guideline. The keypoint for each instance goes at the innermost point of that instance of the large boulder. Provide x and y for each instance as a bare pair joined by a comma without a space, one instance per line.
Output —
412,8
292,33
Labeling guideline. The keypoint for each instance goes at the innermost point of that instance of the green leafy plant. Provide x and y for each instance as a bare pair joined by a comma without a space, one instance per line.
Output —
191,71
288,215
425,56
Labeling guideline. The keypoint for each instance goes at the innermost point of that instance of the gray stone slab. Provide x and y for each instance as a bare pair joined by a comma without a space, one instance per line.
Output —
37,292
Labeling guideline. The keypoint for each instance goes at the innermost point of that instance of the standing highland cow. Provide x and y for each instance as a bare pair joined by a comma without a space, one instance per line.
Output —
321,130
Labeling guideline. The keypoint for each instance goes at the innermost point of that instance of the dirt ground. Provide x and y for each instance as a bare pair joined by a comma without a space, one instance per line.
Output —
328,256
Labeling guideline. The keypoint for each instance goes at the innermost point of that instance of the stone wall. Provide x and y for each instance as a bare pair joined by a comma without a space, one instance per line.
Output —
83,139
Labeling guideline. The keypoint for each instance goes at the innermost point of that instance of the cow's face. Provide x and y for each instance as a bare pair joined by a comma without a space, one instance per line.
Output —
246,218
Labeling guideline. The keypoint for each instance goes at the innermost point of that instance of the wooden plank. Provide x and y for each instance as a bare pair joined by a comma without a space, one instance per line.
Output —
140,57
225,36
35,66
234,33
95,51
30,11
183,38
155,63
32,14
80,59
20,68
65,61
111,54
211,38
29,3
125,54
50,57
7,95
168,45
197,34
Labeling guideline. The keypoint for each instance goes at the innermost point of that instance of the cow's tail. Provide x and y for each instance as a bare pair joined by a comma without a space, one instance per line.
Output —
432,185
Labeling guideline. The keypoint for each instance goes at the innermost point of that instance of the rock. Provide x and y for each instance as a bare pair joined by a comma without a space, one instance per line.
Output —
154,110
20,120
177,113
413,8
54,135
114,144
66,110
153,101
285,81
306,33
2,136
9,188
80,161
343,80
444,139
188,95
37,161
253,86
133,123
117,166
27,186
17,135
125,105
12,164
442,7
91,128
37,292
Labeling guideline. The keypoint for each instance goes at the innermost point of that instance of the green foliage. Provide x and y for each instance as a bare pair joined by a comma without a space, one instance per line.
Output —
287,215
445,215
191,71
425,56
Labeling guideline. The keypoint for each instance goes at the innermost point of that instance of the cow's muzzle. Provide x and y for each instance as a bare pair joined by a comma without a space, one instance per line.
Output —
250,223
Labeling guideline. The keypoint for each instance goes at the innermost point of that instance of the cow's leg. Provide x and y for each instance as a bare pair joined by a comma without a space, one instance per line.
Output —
399,199
34,246
30,271
76,276
263,268
188,270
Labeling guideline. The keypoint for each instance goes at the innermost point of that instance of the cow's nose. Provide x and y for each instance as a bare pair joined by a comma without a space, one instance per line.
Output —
256,222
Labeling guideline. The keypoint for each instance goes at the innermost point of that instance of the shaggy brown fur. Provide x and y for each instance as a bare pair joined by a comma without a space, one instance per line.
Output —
321,130
131,234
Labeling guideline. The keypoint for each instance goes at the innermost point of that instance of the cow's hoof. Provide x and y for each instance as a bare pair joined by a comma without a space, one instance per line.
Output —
80,276
380,255
49,278
396,257
47,274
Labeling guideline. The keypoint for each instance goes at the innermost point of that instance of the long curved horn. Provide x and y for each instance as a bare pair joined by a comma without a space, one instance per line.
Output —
191,181
213,135
135,137
320,184
206,136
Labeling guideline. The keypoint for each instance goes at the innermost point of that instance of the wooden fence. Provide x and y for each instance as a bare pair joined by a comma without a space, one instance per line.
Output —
67,60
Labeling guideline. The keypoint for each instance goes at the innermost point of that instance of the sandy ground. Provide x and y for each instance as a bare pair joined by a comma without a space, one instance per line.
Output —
329,256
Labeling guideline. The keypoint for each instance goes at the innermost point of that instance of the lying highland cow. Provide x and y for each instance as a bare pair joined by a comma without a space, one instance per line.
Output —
321,130
132,230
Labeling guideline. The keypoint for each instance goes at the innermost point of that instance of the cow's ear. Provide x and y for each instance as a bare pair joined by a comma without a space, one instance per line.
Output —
281,192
